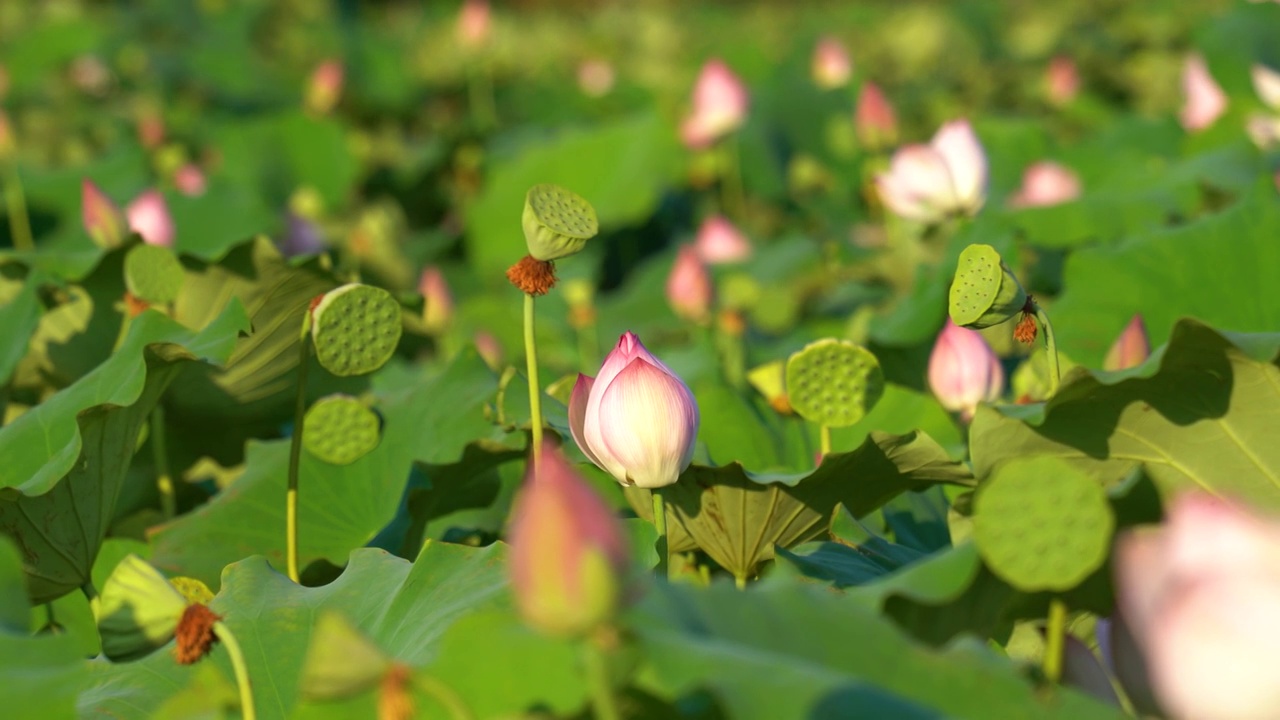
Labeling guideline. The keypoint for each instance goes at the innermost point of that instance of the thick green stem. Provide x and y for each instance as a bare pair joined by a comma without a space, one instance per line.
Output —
160,452
740,582
660,524
445,695
295,456
1051,349
535,388
90,594
597,666
824,440
16,201
1055,637
240,669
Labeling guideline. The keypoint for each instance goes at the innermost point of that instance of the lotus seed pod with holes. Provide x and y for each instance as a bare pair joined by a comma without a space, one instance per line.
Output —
984,292
355,329
153,273
834,383
339,429
557,223
1040,524
138,610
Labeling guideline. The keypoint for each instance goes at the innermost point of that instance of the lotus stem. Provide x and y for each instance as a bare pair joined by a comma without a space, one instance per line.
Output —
824,440
597,666
535,392
1056,634
1051,348
91,594
445,695
160,452
740,582
660,524
295,456
239,667
19,221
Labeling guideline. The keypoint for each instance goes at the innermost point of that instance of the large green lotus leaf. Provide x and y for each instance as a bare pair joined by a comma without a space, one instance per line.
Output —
279,153
341,507
212,223
833,655
1200,413
1216,269
42,48
19,317
620,167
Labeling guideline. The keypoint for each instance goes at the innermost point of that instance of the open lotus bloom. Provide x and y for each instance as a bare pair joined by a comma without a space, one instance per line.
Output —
719,242
1199,596
719,106
963,370
636,420
1046,183
149,217
931,182
1203,101
832,67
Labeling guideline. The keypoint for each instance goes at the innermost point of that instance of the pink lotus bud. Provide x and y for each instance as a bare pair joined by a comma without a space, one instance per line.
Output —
190,180
473,23
1199,595
1131,349
831,65
1266,82
689,286
569,556
874,120
1046,183
1062,80
1204,102
150,130
101,217
596,77
719,106
719,242
963,370
437,311
946,177
489,348
301,237
636,420
149,217
324,87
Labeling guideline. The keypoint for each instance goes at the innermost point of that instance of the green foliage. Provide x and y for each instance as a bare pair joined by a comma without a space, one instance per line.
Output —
339,429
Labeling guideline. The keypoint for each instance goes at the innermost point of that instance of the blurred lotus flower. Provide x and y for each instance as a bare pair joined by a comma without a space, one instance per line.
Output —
569,556
324,87
149,217
150,130
831,66
596,77
719,242
301,237
190,180
1062,80
90,75
874,120
1046,183
489,348
1203,101
1130,349
719,106
437,310
473,23
689,286
1199,595
1263,129
930,182
102,218
1266,82
636,420
963,370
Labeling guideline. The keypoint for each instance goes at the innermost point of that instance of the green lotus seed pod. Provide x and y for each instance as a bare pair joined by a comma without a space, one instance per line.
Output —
834,382
339,429
355,329
153,273
557,223
984,292
340,661
1040,524
138,610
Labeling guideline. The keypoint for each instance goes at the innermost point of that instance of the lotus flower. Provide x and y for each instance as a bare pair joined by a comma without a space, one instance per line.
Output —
150,130
1199,595
1130,349
1046,183
489,347
719,242
102,218
1204,102
1062,80
719,106
568,551
689,286
874,120
324,87
596,77
946,177
1266,82
437,310
1263,129
149,217
636,420
473,23
190,180
963,370
831,65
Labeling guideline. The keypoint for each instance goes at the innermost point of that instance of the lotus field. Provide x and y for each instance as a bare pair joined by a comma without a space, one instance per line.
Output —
691,361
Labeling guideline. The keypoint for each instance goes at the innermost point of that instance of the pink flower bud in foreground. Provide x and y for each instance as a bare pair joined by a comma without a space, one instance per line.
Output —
324,87
437,310
1130,349
101,217
963,370
831,66
473,23
719,106
1266,82
569,556
1062,80
1046,183
874,120
149,217
635,420
596,77
719,242
190,180
1199,595
946,177
1203,101
689,286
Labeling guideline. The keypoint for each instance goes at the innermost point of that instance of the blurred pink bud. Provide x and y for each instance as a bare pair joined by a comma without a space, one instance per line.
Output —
874,120
102,218
1046,183
190,180
324,87
831,65
963,370
301,237
569,558
1062,80
1199,595
689,287
149,217
946,177
437,310
1203,101
489,348
473,23
636,420
150,130
595,77
719,242
1131,349
1266,82
719,106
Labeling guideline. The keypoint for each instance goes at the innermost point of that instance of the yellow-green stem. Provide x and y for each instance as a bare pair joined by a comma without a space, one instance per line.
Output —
535,392
1051,350
16,201
824,440
238,666
1055,637
660,524
445,695
90,594
598,680
740,582
160,453
295,456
